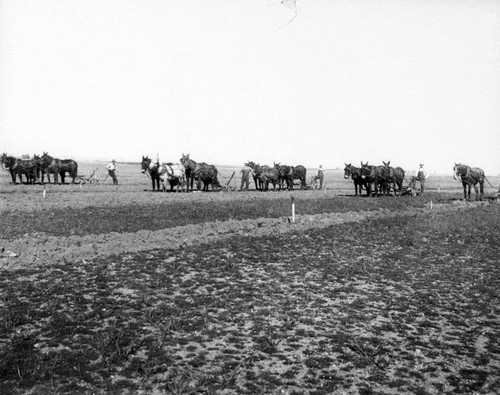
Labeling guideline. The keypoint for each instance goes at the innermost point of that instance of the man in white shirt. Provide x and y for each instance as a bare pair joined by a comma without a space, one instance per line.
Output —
112,171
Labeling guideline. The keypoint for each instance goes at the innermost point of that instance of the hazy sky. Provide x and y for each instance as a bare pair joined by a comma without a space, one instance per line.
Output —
229,81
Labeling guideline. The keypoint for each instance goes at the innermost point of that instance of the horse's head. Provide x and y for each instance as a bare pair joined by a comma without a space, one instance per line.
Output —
366,170
347,170
252,165
145,163
3,160
184,159
459,170
45,159
386,164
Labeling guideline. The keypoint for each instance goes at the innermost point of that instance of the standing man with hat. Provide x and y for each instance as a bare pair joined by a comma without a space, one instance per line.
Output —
421,175
112,171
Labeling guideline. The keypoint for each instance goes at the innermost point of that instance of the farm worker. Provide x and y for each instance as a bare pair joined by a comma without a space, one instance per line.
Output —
112,171
320,176
421,175
246,172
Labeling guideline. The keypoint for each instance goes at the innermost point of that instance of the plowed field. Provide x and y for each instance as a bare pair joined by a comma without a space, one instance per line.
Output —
108,289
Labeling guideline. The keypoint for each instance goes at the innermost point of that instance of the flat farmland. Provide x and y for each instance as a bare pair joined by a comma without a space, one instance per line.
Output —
116,289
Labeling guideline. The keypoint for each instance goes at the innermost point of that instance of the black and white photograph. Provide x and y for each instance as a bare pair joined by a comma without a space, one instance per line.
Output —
250,197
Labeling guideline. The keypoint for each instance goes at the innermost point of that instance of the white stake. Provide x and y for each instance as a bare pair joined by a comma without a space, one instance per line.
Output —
44,193
293,210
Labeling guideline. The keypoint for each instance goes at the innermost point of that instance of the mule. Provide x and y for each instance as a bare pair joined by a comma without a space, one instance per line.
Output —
376,177
269,175
190,168
41,172
29,167
207,175
354,173
59,167
174,174
470,176
291,173
151,170
256,171
394,176
8,163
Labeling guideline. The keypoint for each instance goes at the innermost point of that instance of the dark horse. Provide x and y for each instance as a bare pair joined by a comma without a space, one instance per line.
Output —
17,167
256,171
376,177
359,181
395,176
58,167
152,169
9,162
190,169
206,174
291,173
470,176
269,175
29,167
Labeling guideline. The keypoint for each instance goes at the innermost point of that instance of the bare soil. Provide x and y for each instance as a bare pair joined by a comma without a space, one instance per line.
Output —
114,290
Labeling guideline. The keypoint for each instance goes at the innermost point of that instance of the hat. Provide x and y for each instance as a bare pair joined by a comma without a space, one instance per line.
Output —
421,164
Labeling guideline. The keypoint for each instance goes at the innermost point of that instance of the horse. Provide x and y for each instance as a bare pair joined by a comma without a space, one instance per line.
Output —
395,176
359,180
206,174
256,171
190,168
375,175
291,173
29,167
470,176
8,163
269,175
41,172
174,174
300,173
59,167
285,175
151,169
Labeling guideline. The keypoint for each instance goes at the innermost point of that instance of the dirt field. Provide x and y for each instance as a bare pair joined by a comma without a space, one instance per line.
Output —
116,288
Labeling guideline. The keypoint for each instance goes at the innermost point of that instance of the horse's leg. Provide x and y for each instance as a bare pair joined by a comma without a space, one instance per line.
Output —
476,190
481,189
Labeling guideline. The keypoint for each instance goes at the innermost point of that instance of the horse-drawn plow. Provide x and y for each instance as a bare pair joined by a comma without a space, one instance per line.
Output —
91,179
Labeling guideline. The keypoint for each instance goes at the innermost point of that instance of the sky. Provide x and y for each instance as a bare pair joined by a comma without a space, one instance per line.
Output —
228,81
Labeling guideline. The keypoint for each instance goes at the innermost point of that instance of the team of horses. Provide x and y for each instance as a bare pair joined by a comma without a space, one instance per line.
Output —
187,173
380,180
375,180
36,168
